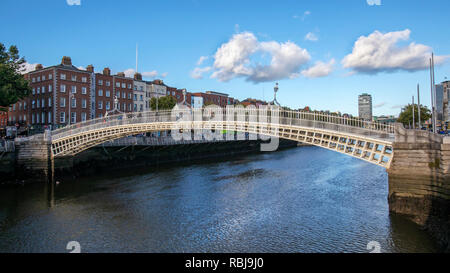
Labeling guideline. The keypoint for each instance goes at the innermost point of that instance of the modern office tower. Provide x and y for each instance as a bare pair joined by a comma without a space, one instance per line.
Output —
365,106
439,103
446,98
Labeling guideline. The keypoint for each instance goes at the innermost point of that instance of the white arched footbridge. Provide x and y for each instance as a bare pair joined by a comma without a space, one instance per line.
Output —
369,141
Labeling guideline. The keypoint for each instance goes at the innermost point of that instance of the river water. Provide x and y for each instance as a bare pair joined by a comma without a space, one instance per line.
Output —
304,199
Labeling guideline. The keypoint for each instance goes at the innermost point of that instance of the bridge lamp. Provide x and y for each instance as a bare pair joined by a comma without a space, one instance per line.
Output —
184,96
275,90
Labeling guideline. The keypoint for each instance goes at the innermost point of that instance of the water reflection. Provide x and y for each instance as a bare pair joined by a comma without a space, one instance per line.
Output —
298,200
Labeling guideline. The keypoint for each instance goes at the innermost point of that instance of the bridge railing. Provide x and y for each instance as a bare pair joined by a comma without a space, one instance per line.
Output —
273,117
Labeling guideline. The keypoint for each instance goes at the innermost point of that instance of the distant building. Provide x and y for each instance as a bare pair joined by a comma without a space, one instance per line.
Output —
254,102
64,93
196,100
156,88
365,106
178,95
385,119
3,118
140,100
442,99
216,98
439,103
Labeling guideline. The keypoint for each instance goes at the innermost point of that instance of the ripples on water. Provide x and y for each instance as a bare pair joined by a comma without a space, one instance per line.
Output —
298,200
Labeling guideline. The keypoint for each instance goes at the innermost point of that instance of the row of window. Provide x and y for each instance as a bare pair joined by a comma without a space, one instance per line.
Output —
38,103
118,84
108,94
61,75
141,88
108,106
39,90
73,89
73,103
47,118
141,97
107,83
73,78
73,117
141,108
38,78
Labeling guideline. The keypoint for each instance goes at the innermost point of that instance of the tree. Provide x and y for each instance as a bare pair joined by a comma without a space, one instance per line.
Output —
13,85
406,116
164,103
208,103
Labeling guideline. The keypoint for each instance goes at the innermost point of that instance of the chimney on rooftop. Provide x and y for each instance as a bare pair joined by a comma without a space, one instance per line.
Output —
66,61
107,71
121,74
38,67
138,76
90,68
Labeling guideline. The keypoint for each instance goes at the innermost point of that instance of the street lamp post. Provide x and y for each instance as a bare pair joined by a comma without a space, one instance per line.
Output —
275,90
184,96
414,121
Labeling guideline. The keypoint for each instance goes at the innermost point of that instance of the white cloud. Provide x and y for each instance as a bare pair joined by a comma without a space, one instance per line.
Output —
320,69
234,59
163,75
198,72
150,74
202,59
311,37
81,67
379,105
380,52
73,2
374,2
27,67
302,17
398,106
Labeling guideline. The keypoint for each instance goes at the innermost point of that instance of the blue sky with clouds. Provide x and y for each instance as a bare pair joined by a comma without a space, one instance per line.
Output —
322,53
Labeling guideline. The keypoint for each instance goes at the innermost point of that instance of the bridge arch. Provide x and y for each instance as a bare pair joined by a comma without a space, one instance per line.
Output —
369,142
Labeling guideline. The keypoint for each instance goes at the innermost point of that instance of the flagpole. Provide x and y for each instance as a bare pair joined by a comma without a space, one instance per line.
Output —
418,104
434,94
414,122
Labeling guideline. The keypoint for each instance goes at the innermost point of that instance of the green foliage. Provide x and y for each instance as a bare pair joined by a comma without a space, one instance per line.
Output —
406,116
164,103
13,86
208,103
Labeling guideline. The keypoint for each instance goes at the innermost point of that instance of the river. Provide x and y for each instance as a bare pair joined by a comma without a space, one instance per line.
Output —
304,199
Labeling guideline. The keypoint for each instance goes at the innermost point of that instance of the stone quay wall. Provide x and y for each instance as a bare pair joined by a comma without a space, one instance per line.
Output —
419,181
32,157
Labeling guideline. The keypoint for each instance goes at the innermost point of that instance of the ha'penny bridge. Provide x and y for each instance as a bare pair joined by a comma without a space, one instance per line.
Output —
369,141
417,162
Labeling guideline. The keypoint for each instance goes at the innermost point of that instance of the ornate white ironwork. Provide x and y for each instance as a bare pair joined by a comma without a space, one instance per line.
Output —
370,141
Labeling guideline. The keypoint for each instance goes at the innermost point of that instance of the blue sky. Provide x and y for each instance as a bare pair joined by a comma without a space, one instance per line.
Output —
246,46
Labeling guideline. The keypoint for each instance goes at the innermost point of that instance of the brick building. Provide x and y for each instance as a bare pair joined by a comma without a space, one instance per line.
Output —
55,90
107,87
255,102
178,94
216,98
64,94
3,118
